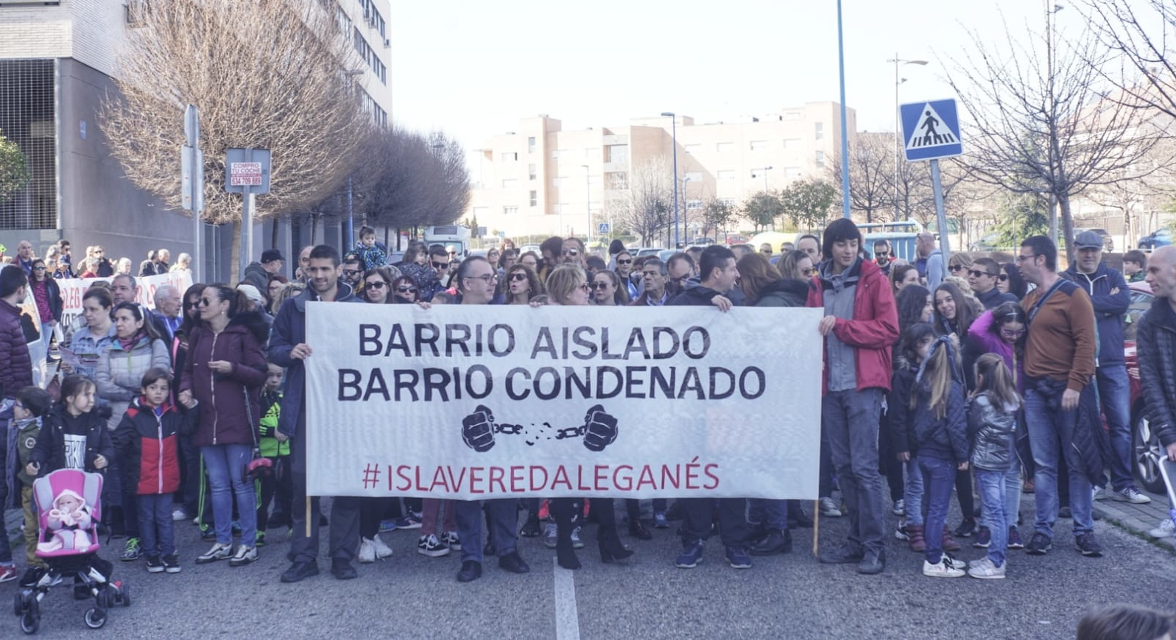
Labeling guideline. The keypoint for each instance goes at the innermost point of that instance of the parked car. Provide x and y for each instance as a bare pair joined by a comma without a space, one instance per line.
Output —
1144,443
1108,241
1156,239
736,239
645,251
701,242
989,243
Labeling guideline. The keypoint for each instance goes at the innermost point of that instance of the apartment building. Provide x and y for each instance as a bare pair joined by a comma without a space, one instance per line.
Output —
540,179
58,60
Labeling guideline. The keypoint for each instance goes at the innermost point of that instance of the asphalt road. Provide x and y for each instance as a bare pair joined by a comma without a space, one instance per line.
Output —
789,596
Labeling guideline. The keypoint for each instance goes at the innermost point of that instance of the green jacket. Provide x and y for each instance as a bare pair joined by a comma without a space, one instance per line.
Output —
26,439
268,444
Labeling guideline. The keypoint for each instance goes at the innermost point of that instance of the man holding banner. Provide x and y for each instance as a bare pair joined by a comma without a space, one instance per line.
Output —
476,281
860,327
288,348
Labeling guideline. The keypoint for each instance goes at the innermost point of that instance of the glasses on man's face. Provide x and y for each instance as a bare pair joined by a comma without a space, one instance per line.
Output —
488,278
440,265
881,254
1004,277
600,286
38,268
377,284
406,289
980,274
624,262
766,252
585,287
1022,258
571,253
808,272
518,277
955,268
351,272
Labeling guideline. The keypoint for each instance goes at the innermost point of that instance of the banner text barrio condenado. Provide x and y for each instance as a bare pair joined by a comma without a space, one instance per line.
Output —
483,402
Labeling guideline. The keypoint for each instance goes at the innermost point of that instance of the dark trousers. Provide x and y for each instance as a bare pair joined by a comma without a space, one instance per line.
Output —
825,479
344,526
190,476
155,524
371,512
963,487
503,517
697,518
277,487
850,418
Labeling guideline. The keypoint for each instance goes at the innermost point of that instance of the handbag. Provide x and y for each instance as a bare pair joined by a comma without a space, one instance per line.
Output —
258,466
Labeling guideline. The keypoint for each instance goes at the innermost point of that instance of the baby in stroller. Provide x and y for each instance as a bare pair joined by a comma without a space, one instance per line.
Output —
68,524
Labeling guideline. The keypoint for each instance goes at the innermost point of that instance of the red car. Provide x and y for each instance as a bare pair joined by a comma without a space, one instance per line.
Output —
1143,442
733,239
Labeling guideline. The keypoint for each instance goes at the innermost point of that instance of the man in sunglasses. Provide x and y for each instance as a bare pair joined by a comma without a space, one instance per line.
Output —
352,270
883,256
983,278
573,252
1110,298
439,263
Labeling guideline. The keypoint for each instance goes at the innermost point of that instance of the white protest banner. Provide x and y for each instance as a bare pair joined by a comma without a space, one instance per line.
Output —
72,290
483,402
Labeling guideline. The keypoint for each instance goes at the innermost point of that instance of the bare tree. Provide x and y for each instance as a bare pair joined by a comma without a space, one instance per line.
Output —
273,74
1142,36
871,172
1044,124
644,202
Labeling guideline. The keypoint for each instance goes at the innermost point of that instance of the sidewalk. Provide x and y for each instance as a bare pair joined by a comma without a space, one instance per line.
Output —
1138,518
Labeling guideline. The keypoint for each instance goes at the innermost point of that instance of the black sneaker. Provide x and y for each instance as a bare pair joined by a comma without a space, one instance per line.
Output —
966,529
300,571
342,570
154,564
983,538
1064,512
171,563
1039,545
1088,545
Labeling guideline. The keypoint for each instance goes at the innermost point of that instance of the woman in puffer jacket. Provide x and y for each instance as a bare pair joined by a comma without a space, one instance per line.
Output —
136,348
224,371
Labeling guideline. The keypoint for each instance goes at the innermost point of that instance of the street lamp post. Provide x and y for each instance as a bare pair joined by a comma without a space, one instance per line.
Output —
844,124
674,134
588,199
898,122
765,171
685,206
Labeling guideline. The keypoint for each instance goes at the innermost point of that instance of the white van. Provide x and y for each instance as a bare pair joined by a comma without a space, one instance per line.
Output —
448,235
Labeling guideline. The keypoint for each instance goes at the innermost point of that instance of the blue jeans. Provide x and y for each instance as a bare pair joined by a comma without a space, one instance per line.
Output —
1114,394
773,514
504,517
913,493
225,464
992,503
1044,436
1013,484
851,420
155,524
939,479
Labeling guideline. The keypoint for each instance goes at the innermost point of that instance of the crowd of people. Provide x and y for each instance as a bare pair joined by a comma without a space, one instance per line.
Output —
977,378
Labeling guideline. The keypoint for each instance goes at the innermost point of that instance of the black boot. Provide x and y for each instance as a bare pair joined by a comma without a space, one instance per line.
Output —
611,549
775,542
797,516
562,509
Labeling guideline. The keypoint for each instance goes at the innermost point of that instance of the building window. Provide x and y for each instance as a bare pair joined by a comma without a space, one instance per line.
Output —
693,204
693,176
725,175
531,175
616,153
531,144
730,202
534,198
557,152
617,180
481,211
692,149
819,131
506,211
510,183
725,147
510,156
792,115
759,145
820,158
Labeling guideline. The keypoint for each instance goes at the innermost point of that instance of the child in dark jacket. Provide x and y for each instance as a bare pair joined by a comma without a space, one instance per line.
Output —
914,345
31,404
937,405
147,440
992,426
73,435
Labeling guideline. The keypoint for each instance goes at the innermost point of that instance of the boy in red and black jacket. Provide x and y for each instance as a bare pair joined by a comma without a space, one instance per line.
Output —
147,441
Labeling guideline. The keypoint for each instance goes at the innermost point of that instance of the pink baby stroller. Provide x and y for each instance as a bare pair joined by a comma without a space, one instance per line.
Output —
69,507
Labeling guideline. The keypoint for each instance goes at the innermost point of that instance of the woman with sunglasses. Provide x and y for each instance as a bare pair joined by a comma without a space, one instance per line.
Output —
567,285
522,285
624,268
797,265
1010,281
958,264
46,294
403,291
607,290
377,283
1002,331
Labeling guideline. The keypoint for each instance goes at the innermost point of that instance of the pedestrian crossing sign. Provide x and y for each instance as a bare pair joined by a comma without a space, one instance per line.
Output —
931,130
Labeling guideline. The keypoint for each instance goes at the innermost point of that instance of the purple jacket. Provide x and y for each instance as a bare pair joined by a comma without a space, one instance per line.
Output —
988,342
222,397
16,365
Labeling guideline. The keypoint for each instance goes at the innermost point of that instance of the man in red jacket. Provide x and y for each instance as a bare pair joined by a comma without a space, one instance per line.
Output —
860,327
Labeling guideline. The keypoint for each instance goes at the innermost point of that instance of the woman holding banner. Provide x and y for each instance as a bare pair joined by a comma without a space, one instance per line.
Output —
567,285
224,371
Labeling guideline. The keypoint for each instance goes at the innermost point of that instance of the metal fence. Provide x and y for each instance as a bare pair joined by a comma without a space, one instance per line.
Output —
27,117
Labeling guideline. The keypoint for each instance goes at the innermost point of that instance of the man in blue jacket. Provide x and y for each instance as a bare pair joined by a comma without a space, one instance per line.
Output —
288,348
1110,297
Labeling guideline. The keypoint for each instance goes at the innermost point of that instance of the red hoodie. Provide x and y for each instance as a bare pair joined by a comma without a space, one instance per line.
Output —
873,330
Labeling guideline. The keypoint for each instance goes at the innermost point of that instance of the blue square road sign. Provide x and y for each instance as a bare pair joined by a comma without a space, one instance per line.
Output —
931,130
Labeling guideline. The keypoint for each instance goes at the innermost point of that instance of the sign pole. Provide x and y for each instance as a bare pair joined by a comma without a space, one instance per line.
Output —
940,216
192,170
246,222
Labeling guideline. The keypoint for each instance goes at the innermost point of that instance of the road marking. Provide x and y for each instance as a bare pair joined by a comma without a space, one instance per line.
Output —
567,618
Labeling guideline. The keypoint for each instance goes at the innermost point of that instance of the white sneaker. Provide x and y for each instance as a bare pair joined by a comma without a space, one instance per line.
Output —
829,508
985,570
432,547
953,562
179,516
382,550
941,569
899,507
1097,493
245,555
217,552
1132,495
1167,529
367,551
